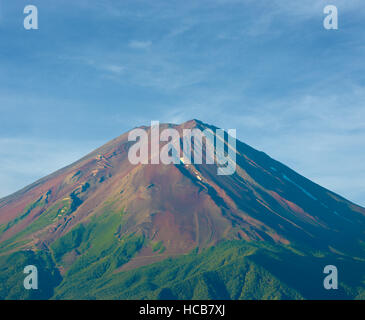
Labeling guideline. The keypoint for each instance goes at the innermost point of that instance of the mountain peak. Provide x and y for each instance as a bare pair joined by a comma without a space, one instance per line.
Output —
193,123
182,206
102,206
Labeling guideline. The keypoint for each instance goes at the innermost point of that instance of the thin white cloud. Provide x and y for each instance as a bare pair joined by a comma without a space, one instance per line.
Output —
135,44
114,68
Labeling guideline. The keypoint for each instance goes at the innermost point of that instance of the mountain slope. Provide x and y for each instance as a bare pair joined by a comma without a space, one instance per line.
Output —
105,218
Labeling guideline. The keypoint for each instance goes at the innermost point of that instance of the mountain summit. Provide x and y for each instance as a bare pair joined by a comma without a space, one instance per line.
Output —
106,216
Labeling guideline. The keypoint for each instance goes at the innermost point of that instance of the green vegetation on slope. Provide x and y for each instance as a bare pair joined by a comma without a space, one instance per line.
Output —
12,276
91,254
28,209
91,251
231,270
222,272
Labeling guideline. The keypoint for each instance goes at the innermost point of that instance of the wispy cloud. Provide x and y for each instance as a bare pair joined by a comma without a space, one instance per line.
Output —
117,69
135,44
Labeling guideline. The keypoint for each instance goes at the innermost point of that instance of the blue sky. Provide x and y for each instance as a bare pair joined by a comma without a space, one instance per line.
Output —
95,69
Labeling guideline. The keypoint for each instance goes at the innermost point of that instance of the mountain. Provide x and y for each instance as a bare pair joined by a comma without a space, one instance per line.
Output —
105,228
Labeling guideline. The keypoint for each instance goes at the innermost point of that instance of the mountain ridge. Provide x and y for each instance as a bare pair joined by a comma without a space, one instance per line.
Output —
148,213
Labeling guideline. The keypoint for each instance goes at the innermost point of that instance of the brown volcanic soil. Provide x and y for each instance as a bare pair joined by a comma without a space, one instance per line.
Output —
263,200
